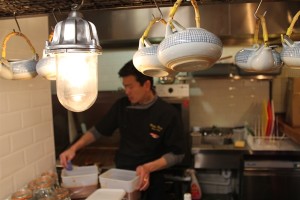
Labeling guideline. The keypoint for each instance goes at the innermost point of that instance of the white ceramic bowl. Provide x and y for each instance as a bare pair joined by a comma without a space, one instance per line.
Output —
23,69
5,70
290,55
189,49
258,58
46,67
145,60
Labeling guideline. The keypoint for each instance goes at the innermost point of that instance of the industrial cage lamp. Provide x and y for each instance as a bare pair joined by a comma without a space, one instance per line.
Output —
76,48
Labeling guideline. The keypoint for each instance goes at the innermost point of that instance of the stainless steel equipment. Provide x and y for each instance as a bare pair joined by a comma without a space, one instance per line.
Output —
274,179
217,162
178,96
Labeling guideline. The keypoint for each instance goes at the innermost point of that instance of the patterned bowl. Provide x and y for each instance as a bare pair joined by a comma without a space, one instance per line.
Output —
46,67
258,58
189,49
145,60
290,54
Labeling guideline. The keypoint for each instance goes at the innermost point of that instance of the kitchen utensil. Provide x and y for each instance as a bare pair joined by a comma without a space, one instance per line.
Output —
260,57
17,68
46,66
290,53
145,59
188,49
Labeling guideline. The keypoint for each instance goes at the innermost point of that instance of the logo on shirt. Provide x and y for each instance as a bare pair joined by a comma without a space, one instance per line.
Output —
155,128
154,135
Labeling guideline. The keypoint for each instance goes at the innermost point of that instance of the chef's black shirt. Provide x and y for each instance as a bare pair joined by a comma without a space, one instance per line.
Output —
147,131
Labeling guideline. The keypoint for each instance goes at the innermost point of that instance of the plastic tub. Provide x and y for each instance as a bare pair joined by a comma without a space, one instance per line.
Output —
80,176
119,179
81,181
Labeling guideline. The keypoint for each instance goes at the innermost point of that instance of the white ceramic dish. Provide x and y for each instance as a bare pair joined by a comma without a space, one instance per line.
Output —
290,54
46,67
258,58
107,194
145,60
189,49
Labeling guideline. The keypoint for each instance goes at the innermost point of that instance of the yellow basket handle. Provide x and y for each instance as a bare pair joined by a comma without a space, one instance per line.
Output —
264,28
196,9
290,29
256,31
153,21
8,36
50,36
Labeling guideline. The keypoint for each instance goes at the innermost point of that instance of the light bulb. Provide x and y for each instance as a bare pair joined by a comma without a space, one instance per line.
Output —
77,80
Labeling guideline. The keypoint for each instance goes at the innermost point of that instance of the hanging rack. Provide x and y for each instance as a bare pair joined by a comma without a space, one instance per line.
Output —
17,23
161,15
76,7
255,13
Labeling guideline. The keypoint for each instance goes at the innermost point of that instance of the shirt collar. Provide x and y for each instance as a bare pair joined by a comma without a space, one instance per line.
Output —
144,106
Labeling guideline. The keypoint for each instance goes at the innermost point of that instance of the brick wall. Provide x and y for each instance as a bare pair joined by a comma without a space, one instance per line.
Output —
26,130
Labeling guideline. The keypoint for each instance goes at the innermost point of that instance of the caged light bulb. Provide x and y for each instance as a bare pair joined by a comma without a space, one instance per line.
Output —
77,80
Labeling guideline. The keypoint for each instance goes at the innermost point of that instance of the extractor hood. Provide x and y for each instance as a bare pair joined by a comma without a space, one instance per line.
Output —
232,20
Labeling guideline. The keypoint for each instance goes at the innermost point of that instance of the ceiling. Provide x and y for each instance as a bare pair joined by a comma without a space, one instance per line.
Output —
9,8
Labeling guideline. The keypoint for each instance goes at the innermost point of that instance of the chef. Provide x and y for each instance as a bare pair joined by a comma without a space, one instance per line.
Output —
151,133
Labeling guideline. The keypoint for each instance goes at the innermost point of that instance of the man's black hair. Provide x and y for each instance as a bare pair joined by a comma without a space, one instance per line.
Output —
129,69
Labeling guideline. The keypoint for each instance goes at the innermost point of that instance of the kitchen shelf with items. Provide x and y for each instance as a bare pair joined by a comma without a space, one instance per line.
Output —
265,132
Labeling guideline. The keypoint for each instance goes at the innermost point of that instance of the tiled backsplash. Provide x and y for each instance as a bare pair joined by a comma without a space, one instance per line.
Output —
225,102
26,130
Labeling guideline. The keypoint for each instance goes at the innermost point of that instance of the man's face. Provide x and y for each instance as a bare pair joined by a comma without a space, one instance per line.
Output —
135,92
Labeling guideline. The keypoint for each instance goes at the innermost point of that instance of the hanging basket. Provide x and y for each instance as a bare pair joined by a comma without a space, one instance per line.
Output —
290,53
188,49
259,57
145,59
18,68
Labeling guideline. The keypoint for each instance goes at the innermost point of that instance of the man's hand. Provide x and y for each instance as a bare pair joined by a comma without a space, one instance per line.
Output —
144,175
66,156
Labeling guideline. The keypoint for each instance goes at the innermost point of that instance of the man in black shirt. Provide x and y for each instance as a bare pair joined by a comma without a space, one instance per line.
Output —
151,133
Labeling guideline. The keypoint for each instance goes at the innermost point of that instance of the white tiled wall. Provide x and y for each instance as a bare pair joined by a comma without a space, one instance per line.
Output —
26,131
226,102
109,64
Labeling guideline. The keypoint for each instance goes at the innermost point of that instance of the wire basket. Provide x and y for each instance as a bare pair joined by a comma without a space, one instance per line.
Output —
274,143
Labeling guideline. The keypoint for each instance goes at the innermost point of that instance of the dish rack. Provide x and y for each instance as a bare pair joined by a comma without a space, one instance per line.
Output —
275,143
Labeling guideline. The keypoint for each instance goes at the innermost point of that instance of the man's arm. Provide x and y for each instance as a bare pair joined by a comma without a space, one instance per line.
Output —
165,161
70,153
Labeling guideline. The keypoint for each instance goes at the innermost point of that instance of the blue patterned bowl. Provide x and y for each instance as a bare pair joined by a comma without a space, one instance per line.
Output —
145,60
290,54
189,49
46,67
23,69
258,58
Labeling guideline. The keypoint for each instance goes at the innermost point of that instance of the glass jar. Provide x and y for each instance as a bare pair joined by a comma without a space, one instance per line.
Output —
53,175
62,194
22,194
44,189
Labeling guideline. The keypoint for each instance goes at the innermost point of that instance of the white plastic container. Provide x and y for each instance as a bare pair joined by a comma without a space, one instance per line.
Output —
119,179
107,194
80,176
